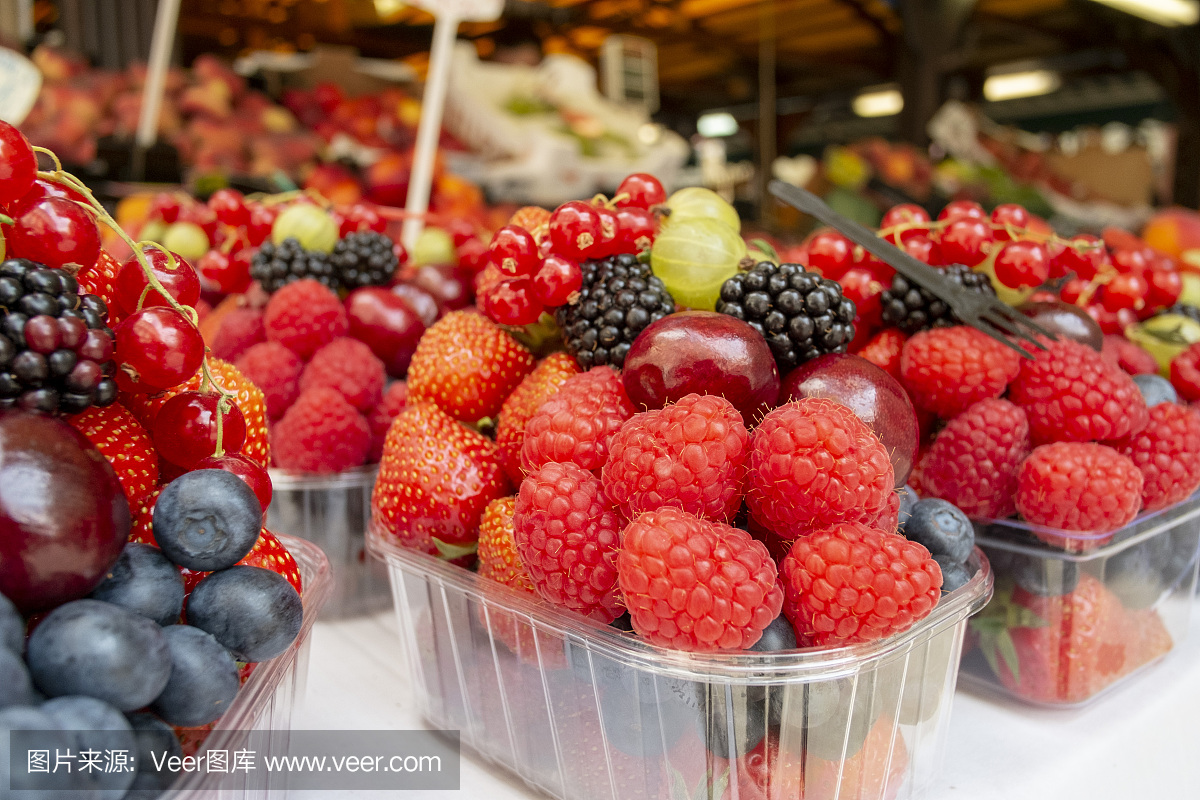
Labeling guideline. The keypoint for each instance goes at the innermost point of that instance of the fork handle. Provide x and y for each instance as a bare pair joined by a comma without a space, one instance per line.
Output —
916,271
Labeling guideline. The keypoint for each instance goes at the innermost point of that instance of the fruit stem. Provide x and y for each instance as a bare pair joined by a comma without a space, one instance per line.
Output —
222,410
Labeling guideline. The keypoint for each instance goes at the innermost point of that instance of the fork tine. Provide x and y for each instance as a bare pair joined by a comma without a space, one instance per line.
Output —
1011,314
988,326
1011,326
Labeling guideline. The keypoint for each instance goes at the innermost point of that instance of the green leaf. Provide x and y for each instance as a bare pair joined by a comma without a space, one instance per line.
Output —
1008,651
679,790
718,788
450,551
766,248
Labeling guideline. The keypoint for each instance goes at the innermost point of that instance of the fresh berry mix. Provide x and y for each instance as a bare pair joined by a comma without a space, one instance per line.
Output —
912,308
974,460
946,370
1079,486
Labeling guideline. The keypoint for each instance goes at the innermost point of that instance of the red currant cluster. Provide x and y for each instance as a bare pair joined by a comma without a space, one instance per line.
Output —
534,261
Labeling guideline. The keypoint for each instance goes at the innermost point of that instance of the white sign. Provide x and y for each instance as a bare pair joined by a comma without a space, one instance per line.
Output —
463,10
20,82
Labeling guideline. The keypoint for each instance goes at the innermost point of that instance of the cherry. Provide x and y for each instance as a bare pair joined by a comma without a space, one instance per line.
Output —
1124,291
54,231
472,255
166,206
388,323
1166,285
201,215
422,302
830,253
643,190
1022,263
262,218
18,165
246,468
962,209
575,230
180,281
514,251
513,302
965,241
156,348
1084,255
185,430
557,280
1009,219
911,218
922,248
451,286
636,229
1065,320
229,207
228,272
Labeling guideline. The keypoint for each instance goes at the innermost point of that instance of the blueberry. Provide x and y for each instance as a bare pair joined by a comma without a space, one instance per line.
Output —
1156,389
779,635
95,725
12,626
254,612
49,737
100,650
955,574
207,520
153,739
16,687
737,717
840,713
1139,574
1045,577
145,582
204,678
908,500
623,623
639,728
942,527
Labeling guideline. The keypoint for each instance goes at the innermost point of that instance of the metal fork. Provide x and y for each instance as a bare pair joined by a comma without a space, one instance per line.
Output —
983,312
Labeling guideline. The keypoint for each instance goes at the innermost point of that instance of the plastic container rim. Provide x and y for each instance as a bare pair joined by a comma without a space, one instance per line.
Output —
284,480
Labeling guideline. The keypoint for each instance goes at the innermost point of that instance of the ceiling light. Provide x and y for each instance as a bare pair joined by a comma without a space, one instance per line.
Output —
719,123
1021,84
878,103
1164,12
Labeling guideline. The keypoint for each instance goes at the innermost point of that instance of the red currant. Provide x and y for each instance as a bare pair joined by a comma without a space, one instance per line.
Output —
472,255
460,229
513,302
1073,290
965,241
185,430
1130,261
636,229
1112,321
133,287
18,165
166,206
962,209
513,250
44,188
557,280
1009,220
1166,284
575,230
362,217
861,286
867,261
610,228
922,248
229,207
909,218
262,218
1084,255
1127,290
830,253
642,190
245,468
156,348
54,231
1022,263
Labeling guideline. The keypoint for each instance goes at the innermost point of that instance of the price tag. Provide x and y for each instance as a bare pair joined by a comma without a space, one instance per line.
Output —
464,10
20,82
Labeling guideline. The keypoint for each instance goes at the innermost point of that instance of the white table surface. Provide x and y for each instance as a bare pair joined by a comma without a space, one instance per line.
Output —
1139,743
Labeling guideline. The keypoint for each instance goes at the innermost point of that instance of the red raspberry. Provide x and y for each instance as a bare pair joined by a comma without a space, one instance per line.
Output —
240,330
888,517
854,583
350,367
276,371
884,349
813,462
692,584
577,423
1128,356
1071,394
691,455
380,419
1185,373
1078,486
973,462
303,316
321,433
568,536
1167,451
948,369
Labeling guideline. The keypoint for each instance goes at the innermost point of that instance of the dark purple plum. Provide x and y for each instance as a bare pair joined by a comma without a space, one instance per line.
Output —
1066,320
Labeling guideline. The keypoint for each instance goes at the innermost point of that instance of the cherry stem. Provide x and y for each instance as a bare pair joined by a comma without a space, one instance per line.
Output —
222,410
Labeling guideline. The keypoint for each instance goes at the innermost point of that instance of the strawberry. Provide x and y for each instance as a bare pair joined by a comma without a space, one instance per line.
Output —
100,279
122,440
435,479
467,366
498,557
537,387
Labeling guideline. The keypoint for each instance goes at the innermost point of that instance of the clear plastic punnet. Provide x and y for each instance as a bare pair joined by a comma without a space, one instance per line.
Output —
1076,615
332,511
581,710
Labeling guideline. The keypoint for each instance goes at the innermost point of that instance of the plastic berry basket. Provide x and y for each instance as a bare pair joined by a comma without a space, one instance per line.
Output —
1084,613
267,698
332,511
580,710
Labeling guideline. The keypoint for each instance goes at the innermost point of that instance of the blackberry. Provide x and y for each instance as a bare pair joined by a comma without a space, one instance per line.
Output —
618,299
364,259
275,266
55,344
799,313
911,308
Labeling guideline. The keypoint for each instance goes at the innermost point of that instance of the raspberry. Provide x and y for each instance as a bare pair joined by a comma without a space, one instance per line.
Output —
303,316
888,517
1078,486
276,371
1128,356
884,349
691,455
568,536
692,584
854,583
973,462
1185,373
577,423
947,369
498,557
380,419
813,462
1071,394
1167,451
240,330
350,367
321,433
537,387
